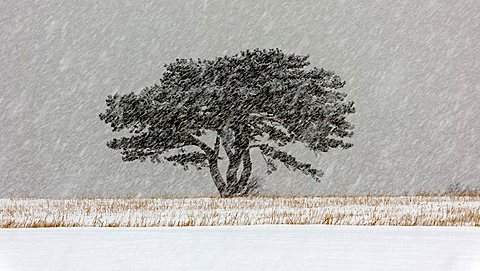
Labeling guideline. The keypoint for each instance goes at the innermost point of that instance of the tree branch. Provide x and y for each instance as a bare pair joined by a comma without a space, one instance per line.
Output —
189,138
291,162
194,158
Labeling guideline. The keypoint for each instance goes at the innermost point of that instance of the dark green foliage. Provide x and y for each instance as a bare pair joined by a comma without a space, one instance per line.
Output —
289,161
260,99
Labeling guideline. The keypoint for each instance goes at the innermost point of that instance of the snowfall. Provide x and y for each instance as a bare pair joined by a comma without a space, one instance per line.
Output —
281,247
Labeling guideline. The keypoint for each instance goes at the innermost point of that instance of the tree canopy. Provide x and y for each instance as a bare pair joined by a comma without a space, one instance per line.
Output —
256,99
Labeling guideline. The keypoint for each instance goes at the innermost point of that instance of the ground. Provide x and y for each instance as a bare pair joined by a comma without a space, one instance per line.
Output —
358,211
267,247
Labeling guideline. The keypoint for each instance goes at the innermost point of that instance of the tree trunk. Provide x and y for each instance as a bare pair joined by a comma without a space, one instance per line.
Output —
237,149
238,186
217,177
246,172
232,173
213,166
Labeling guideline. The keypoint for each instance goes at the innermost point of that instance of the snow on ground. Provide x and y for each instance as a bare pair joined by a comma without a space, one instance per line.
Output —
280,247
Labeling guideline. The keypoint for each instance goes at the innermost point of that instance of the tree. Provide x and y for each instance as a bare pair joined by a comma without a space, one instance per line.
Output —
256,100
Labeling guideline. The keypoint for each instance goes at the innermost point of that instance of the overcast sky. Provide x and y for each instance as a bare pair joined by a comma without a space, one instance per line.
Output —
412,68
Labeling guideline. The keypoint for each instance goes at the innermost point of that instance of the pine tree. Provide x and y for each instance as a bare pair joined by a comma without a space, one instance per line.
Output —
254,100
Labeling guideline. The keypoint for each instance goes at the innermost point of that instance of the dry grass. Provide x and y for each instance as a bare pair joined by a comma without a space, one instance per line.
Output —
399,211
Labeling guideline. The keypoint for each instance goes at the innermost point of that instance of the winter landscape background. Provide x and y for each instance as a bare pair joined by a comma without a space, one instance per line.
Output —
411,67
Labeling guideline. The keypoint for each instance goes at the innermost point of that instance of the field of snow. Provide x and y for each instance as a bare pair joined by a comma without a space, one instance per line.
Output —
277,247
397,211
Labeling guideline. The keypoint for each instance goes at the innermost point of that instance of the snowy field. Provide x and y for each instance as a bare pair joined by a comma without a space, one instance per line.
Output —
393,211
279,247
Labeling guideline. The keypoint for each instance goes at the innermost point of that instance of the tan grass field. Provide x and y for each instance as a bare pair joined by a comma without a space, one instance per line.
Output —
368,210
